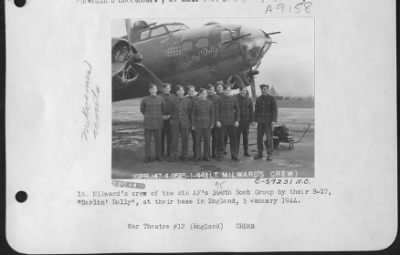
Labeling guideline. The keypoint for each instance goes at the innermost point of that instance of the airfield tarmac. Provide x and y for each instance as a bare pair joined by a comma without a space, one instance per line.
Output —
128,149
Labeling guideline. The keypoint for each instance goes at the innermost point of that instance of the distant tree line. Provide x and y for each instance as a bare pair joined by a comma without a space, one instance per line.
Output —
308,98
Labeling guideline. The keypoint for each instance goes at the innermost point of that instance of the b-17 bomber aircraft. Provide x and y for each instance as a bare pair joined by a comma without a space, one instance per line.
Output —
177,54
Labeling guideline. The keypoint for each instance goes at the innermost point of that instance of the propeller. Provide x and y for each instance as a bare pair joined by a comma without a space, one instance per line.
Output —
132,69
128,73
128,26
250,78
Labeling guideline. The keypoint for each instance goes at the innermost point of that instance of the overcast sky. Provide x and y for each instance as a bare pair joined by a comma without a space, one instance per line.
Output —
289,63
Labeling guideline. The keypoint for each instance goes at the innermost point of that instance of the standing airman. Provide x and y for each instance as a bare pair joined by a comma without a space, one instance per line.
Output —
191,94
153,108
214,98
266,114
227,121
180,122
166,130
246,117
219,88
203,121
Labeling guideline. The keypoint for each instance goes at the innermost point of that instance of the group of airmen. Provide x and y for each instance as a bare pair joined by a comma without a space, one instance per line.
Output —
211,113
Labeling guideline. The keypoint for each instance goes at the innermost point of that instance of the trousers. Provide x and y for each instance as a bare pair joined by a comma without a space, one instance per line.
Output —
231,133
214,141
193,132
264,128
166,138
148,134
202,136
183,133
243,130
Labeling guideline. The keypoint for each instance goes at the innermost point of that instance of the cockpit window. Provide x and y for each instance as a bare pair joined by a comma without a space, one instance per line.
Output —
144,35
226,36
158,31
176,27
202,43
235,33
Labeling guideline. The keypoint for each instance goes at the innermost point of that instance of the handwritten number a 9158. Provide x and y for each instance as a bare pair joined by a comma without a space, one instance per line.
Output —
301,7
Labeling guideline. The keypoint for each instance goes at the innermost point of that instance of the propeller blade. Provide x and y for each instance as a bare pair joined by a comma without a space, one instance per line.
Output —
252,72
236,80
128,26
240,82
253,89
257,65
143,70
118,67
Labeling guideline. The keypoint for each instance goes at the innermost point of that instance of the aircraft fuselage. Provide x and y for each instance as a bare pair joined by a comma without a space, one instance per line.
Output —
195,56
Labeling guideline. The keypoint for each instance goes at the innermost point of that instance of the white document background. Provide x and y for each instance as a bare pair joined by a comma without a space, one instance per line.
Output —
355,138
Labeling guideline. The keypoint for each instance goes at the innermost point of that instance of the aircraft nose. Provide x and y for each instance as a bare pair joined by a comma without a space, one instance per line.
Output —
254,43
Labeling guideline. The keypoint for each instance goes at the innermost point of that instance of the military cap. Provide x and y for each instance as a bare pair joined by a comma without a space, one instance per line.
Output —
264,86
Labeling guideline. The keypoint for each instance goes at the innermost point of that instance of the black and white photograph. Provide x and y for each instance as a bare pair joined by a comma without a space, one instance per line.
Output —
212,98
219,126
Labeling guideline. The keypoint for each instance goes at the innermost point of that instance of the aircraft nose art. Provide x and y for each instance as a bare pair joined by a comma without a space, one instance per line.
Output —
253,45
